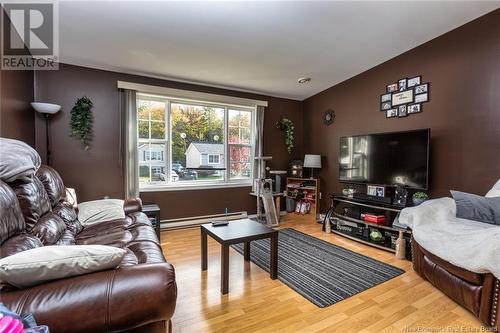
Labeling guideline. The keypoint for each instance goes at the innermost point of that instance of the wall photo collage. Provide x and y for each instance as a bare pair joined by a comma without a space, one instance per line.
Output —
404,97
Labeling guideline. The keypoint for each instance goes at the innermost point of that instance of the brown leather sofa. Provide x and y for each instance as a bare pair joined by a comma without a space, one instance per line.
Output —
139,296
478,293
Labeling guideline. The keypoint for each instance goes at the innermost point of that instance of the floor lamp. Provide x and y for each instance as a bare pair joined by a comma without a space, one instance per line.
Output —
46,109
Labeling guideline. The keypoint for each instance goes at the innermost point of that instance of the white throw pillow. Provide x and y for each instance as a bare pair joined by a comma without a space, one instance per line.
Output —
97,211
495,191
42,264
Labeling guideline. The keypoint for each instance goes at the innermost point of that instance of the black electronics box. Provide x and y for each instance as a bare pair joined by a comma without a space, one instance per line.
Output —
353,212
366,197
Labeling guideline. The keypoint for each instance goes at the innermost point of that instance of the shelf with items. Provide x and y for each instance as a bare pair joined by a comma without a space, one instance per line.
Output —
346,218
305,189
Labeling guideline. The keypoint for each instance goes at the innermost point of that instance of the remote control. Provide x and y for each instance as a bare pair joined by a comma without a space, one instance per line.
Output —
219,223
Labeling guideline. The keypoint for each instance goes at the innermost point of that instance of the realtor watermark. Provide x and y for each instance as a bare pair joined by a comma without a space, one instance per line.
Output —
30,35
450,328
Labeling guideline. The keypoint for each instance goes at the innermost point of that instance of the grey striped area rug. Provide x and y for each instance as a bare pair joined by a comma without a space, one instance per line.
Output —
321,272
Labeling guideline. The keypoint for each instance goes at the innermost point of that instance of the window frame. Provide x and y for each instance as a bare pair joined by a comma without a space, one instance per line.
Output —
213,155
227,181
150,141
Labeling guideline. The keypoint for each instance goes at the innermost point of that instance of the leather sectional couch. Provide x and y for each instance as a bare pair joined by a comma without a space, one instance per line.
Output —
478,293
138,296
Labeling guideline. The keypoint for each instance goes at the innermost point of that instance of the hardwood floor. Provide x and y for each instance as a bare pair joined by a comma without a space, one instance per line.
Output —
256,303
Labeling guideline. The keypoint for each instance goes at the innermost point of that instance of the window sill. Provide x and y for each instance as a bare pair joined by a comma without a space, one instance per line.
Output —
188,187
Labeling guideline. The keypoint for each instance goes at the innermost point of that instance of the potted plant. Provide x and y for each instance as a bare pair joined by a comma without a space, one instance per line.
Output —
81,121
419,197
286,125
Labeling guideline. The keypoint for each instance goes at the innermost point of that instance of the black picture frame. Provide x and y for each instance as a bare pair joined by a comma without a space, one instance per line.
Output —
421,88
410,80
385,106
390,88
402,111
382,97
412,107
391,113
403,84
422,96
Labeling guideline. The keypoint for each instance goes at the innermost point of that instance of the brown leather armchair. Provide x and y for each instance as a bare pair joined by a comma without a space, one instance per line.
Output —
478,293
138,296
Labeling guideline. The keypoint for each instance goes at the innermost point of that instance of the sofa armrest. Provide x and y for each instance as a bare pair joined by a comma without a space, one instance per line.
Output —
132,206
112,300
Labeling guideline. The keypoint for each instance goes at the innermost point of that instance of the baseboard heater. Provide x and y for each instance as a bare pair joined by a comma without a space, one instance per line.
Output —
186,222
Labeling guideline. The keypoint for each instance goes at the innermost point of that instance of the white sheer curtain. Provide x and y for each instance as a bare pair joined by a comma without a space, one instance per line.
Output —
259,140
129,128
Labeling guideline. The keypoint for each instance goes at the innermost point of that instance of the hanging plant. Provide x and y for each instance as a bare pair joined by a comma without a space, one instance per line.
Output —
286,125
81,121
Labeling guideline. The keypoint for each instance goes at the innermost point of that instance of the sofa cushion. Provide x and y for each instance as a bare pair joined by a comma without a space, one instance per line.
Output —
47,263
117,237
19,161
19,243
67,238
33,200
98,211
11,218
146,252
49,228
477,208
52,183
68,214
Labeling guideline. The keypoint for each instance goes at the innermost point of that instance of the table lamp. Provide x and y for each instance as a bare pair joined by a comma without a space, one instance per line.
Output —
312,161
46,109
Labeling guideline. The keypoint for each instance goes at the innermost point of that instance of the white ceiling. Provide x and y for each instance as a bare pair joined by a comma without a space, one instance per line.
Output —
260,46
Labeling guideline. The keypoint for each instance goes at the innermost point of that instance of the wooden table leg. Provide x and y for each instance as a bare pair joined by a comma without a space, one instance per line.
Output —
246,251
204,253
273,269
224,263
278,207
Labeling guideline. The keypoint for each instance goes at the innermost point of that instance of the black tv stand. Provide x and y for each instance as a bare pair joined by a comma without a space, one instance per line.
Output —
344,221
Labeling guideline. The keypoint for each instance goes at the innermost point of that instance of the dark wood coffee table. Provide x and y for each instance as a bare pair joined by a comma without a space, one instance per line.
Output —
238,231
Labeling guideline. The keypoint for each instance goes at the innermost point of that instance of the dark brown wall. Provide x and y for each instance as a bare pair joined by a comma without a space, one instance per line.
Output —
17,118
463,68
97,172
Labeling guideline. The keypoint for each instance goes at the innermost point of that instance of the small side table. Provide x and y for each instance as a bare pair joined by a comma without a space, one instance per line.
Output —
153,212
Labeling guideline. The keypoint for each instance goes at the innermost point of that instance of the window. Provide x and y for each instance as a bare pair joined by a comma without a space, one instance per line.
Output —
152,139
213,159
189,142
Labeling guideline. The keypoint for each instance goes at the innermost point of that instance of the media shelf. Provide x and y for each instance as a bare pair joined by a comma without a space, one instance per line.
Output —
344,216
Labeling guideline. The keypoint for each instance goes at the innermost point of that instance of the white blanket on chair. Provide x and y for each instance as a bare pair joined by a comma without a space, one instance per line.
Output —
471,245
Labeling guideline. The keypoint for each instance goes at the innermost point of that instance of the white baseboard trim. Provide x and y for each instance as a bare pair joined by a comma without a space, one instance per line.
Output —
188,222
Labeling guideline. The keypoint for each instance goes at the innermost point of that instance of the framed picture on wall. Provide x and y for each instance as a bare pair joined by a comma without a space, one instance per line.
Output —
392,113
420,98
414,108
414,81
392,87
402,84
385,98
402,111
385,106
423,88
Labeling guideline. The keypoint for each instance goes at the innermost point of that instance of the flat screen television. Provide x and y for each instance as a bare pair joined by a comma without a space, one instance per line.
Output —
396,158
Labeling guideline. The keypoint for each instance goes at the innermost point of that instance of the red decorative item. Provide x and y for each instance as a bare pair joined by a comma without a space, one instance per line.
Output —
377,219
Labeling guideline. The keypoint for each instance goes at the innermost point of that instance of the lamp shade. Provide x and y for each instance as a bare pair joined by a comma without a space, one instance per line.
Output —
46,107
312,161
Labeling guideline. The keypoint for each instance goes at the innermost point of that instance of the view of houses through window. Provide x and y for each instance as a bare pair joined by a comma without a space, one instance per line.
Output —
190,142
